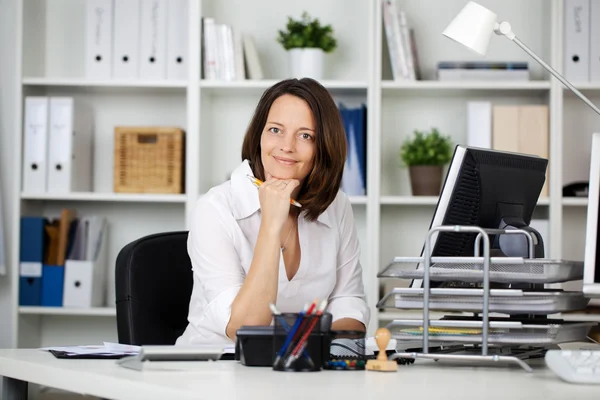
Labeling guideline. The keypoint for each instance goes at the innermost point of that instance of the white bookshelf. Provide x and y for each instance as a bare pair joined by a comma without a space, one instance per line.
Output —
214,114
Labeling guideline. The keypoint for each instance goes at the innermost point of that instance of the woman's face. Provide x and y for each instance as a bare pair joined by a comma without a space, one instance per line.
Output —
288,139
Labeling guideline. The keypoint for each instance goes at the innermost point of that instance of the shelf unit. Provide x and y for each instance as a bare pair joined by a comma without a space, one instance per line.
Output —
390,222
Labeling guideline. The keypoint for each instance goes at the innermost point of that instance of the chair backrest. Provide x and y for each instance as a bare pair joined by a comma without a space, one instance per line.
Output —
153,284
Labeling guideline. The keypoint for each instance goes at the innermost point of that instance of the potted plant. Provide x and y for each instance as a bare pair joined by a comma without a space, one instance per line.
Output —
307,41
425,154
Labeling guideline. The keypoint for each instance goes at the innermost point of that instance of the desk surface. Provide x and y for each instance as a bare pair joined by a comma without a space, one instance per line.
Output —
228,379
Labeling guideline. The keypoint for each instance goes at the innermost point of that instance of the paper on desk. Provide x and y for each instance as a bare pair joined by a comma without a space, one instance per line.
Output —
105,349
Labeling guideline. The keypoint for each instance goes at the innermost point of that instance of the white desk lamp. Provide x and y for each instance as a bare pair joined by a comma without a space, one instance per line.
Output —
473,27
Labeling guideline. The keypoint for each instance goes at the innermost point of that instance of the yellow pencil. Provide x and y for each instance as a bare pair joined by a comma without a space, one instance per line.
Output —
258,182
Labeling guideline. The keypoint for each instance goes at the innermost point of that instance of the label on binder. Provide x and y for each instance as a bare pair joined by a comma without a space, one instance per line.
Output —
30,269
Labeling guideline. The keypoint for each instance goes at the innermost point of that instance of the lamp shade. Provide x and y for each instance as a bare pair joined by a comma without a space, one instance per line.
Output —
472,27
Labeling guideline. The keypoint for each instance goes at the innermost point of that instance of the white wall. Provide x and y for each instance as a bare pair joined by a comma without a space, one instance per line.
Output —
7,133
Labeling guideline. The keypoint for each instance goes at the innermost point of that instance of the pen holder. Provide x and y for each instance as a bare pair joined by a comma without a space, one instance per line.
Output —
347,351
299,343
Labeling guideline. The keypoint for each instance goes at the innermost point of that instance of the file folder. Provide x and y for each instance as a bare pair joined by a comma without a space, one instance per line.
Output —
53,277
98,40
126,39
153,40
70,146
177,39
35,142
577,40
595,40
31,254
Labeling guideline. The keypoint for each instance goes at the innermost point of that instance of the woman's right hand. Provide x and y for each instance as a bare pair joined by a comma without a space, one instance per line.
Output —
274,196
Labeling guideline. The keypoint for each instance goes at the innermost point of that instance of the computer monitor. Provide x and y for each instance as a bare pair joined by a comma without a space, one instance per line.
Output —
591,263
490,189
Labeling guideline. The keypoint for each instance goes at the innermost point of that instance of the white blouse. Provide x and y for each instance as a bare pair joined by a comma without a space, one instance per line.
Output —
223,232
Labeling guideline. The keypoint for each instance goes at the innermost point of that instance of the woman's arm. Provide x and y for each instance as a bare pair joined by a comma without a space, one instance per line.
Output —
348,324
251,305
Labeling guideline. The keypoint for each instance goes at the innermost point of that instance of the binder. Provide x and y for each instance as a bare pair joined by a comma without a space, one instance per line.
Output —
479,124
577,40
594,40
31,253
177,39
35,142
153,39
70,146
98,41
534,126
126,39
505,125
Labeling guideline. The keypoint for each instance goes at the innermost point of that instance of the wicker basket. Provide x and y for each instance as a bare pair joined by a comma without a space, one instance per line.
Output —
149,159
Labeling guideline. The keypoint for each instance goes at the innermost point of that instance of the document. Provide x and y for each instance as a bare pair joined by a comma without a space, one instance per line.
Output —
105,349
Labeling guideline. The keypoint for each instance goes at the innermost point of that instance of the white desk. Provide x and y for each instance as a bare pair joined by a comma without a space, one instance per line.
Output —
230,380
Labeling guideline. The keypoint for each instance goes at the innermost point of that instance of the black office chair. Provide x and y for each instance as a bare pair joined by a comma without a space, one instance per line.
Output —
153,283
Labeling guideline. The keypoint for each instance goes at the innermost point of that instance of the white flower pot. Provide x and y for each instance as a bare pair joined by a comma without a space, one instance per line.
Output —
306,63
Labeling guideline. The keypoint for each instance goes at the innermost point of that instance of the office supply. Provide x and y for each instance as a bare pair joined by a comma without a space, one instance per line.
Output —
253,64
591,273
85,273
576,189
177,39
292,333
301,345
575,366
174,358
31,257
594,39
479,124
474,25
98,38
126,39
106,350
153,39
577,40
348,351
382,364
277,315
2,250
149,159
70,139
35,131
257,182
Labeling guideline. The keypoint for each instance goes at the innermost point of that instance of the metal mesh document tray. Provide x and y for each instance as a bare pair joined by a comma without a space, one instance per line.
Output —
502,270
509,301
501,332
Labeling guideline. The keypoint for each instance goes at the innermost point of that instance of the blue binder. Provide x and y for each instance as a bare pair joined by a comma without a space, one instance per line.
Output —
52,285
31,254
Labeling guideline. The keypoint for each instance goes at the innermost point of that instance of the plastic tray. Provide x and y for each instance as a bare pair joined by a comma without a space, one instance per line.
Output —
502,270
516,333
509,301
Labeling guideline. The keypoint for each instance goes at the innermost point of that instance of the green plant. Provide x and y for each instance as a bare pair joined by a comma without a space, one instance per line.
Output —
426,148
307,33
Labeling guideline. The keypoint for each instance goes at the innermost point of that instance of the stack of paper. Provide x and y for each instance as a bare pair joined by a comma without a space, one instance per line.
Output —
105,349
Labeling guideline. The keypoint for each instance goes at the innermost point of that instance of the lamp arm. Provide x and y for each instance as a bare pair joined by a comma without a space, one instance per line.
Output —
555,73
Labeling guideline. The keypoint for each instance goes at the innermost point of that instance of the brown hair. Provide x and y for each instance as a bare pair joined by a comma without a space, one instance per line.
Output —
323,183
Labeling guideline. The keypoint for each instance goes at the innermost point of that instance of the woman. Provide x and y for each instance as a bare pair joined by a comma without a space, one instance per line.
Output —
249,247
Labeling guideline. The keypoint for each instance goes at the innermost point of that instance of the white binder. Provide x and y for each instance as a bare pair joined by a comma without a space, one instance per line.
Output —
98,42
69,146
126,39
177,39
479,124
153,40
577,40
595,40
35,139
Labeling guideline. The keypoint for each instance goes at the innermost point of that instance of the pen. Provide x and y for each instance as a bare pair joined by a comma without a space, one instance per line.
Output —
301,345
287,328
258,182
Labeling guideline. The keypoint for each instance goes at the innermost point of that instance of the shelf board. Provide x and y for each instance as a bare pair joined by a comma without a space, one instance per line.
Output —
427,200
266,83
85,312
575,201
466,85
584,86
116,197
83,82
358,199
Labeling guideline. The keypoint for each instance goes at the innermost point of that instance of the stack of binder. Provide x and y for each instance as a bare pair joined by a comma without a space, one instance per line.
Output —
581,40
58,142
62,261
137,39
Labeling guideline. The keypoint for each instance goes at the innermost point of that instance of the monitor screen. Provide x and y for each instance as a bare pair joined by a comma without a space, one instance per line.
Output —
490,189
591,271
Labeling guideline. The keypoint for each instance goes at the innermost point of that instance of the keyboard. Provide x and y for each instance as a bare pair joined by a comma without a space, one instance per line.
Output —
576,366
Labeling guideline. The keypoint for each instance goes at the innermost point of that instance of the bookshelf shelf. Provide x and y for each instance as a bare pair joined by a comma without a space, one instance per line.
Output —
574,202
358,200
114,83
107,197
427,200
341,86
465,85
89,312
